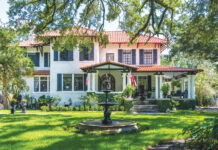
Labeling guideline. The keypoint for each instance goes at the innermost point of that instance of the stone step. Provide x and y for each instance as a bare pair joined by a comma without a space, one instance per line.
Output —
145,108
139,102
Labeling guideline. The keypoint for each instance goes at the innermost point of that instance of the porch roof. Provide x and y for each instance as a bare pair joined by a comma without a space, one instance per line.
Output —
42,72
108,65
161,68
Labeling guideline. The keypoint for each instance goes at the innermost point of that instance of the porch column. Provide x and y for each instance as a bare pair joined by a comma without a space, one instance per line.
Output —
156,86
89,82
161,93
189,86
124,81
193,87
128,79
93,82
183,84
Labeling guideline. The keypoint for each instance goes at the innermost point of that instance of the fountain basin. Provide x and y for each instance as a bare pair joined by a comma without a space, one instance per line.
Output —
117,126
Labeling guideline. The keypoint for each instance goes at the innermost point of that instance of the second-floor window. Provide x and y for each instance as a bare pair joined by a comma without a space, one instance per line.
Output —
148,57
65,55
127,57
110,56
34,57
86,54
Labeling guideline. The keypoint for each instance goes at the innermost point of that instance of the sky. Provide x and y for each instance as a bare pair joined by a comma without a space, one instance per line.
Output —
112,26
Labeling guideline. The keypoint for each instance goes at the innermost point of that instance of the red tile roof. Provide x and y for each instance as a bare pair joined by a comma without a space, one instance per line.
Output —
30,43
42,72
166,69
107,62
123,37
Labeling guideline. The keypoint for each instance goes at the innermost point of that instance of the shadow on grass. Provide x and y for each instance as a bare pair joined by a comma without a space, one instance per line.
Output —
161,127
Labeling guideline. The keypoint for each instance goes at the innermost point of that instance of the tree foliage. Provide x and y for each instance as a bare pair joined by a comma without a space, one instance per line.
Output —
13,64
196,30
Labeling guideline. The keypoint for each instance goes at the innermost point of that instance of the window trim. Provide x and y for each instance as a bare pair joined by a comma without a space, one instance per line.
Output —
48,84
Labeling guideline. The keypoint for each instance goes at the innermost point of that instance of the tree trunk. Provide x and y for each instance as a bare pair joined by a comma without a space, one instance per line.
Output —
5,93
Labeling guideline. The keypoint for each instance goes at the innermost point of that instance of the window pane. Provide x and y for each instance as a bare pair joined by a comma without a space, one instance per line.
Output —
34,58
36,84
67,82
64,55
127,57
78,82
110,55
43,84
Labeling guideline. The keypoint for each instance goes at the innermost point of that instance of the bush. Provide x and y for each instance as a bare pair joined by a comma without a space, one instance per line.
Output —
58,108
53,108
77,108
66,108
202,135
70,108
61,108
82,108
86,108
122,108
128,105
129,91
187,104
43,108
92,108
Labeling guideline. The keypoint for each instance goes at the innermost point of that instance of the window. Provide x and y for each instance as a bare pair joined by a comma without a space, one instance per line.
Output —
67,82
148,57
78,82
127,57
34,57
46,59
110,55
64,55
86,54
41,84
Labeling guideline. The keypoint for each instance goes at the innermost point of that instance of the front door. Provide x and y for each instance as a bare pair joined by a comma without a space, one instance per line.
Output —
142,84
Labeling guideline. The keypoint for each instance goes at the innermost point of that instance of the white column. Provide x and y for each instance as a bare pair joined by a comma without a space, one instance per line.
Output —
93,82
89,82
189,86
183,84
161,93
193,87
124,81
96,81
156,86
128,79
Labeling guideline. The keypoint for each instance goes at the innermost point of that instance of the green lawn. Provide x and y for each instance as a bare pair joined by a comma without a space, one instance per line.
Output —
33,131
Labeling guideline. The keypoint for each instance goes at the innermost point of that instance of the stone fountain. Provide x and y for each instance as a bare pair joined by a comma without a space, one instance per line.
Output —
107,125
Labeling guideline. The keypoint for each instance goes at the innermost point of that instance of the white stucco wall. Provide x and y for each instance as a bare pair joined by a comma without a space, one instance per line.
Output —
73,67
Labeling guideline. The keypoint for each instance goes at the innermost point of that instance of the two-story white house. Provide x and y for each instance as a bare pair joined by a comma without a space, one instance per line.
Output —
66,73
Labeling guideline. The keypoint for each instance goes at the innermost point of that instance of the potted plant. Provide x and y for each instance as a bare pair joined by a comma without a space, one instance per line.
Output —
149,94
165,89
13,102
129,91
23,105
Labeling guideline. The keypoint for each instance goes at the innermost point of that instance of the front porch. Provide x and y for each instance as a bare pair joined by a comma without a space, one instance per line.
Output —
149,80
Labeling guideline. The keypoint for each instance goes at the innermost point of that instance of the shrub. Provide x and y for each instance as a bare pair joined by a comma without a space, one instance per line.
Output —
165,89
70,108
164,104
129,91
58,108
128,105
86,108
61,108
101,108
82,108
92,108
43,108
122,108
186,104
77,108
66,108
53,108
202,135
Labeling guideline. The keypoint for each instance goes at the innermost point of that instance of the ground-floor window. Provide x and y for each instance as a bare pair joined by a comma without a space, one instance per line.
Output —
78,82
41,84
67,82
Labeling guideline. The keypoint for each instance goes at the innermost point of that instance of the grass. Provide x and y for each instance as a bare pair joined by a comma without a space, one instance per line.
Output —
45,132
